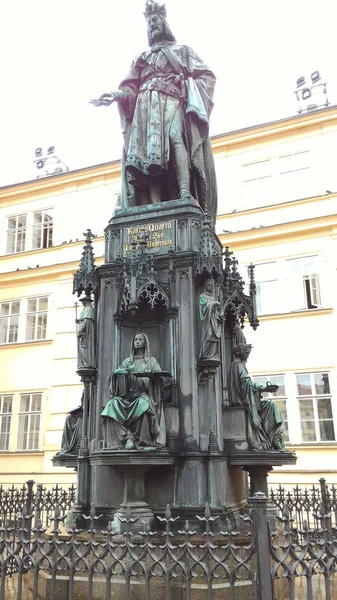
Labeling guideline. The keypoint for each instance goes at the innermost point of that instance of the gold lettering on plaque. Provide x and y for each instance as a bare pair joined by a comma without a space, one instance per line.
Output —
153,233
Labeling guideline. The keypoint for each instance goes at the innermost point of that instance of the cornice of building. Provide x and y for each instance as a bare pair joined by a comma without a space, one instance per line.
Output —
56,184
111,171
281,128
280,232
40,274
272,207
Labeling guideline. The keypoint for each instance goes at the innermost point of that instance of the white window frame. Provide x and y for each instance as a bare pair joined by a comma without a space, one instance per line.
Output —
29,230
4,418
30,414
314,397
299,292
23,317
9,318
308,282
274,186
261,283
17,231
40,320
46,230
292,404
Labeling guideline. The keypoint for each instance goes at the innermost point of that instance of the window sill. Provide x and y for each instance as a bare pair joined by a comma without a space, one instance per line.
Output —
295,314
25,452
34,342
308,445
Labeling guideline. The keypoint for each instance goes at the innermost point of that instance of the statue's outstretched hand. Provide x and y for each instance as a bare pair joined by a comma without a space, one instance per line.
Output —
104,99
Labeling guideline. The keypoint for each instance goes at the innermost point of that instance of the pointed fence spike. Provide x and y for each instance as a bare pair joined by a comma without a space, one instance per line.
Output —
168,512
207,511
92,511
128,512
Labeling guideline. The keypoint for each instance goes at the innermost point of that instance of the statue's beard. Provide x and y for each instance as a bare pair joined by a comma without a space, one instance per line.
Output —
164,35
157,36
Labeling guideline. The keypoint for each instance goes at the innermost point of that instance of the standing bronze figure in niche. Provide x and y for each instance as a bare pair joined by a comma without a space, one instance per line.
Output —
165,103
86,355
212,319
134,416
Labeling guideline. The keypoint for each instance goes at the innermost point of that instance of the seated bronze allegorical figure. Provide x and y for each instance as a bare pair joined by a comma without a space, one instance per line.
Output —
265,423
134,417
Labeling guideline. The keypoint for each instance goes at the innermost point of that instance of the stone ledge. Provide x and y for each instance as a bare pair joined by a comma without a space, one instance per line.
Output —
258,458
133,458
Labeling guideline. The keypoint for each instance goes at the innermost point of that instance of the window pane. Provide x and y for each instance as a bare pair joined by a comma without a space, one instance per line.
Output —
32,304
37,237
322,383
267,297
38,218
43,303
324,408
30,327
308,431
21,220
278,380
41,327
306,409
265,271
3,331
24,402
36,402
20,240
7,404
12,223
256,170
303,384
23,432
5,428
10,248
15,308
33,443
5,308
327,431
13,330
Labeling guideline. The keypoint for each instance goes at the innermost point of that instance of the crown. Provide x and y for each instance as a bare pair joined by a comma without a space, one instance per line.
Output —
153,7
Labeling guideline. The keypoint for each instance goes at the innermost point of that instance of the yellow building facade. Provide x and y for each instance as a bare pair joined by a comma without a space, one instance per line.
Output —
277,209
279,192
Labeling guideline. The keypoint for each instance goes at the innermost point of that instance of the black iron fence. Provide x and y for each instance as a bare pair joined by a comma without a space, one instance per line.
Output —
261,557
306,503
37,499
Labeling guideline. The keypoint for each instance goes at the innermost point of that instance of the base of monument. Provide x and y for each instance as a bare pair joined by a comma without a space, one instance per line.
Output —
133,513
134,517
138,589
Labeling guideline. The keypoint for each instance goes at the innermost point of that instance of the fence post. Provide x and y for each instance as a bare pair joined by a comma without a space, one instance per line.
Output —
324,495
29,502
261,534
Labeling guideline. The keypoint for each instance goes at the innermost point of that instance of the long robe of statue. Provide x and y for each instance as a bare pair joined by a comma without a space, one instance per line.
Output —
165,102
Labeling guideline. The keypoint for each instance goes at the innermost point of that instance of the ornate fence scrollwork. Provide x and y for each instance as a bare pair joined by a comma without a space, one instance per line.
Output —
39,552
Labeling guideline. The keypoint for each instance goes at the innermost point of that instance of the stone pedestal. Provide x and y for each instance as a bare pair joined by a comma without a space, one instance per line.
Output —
158,260
130,468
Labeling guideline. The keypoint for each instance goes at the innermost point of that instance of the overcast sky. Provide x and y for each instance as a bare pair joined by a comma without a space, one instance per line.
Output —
58,55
